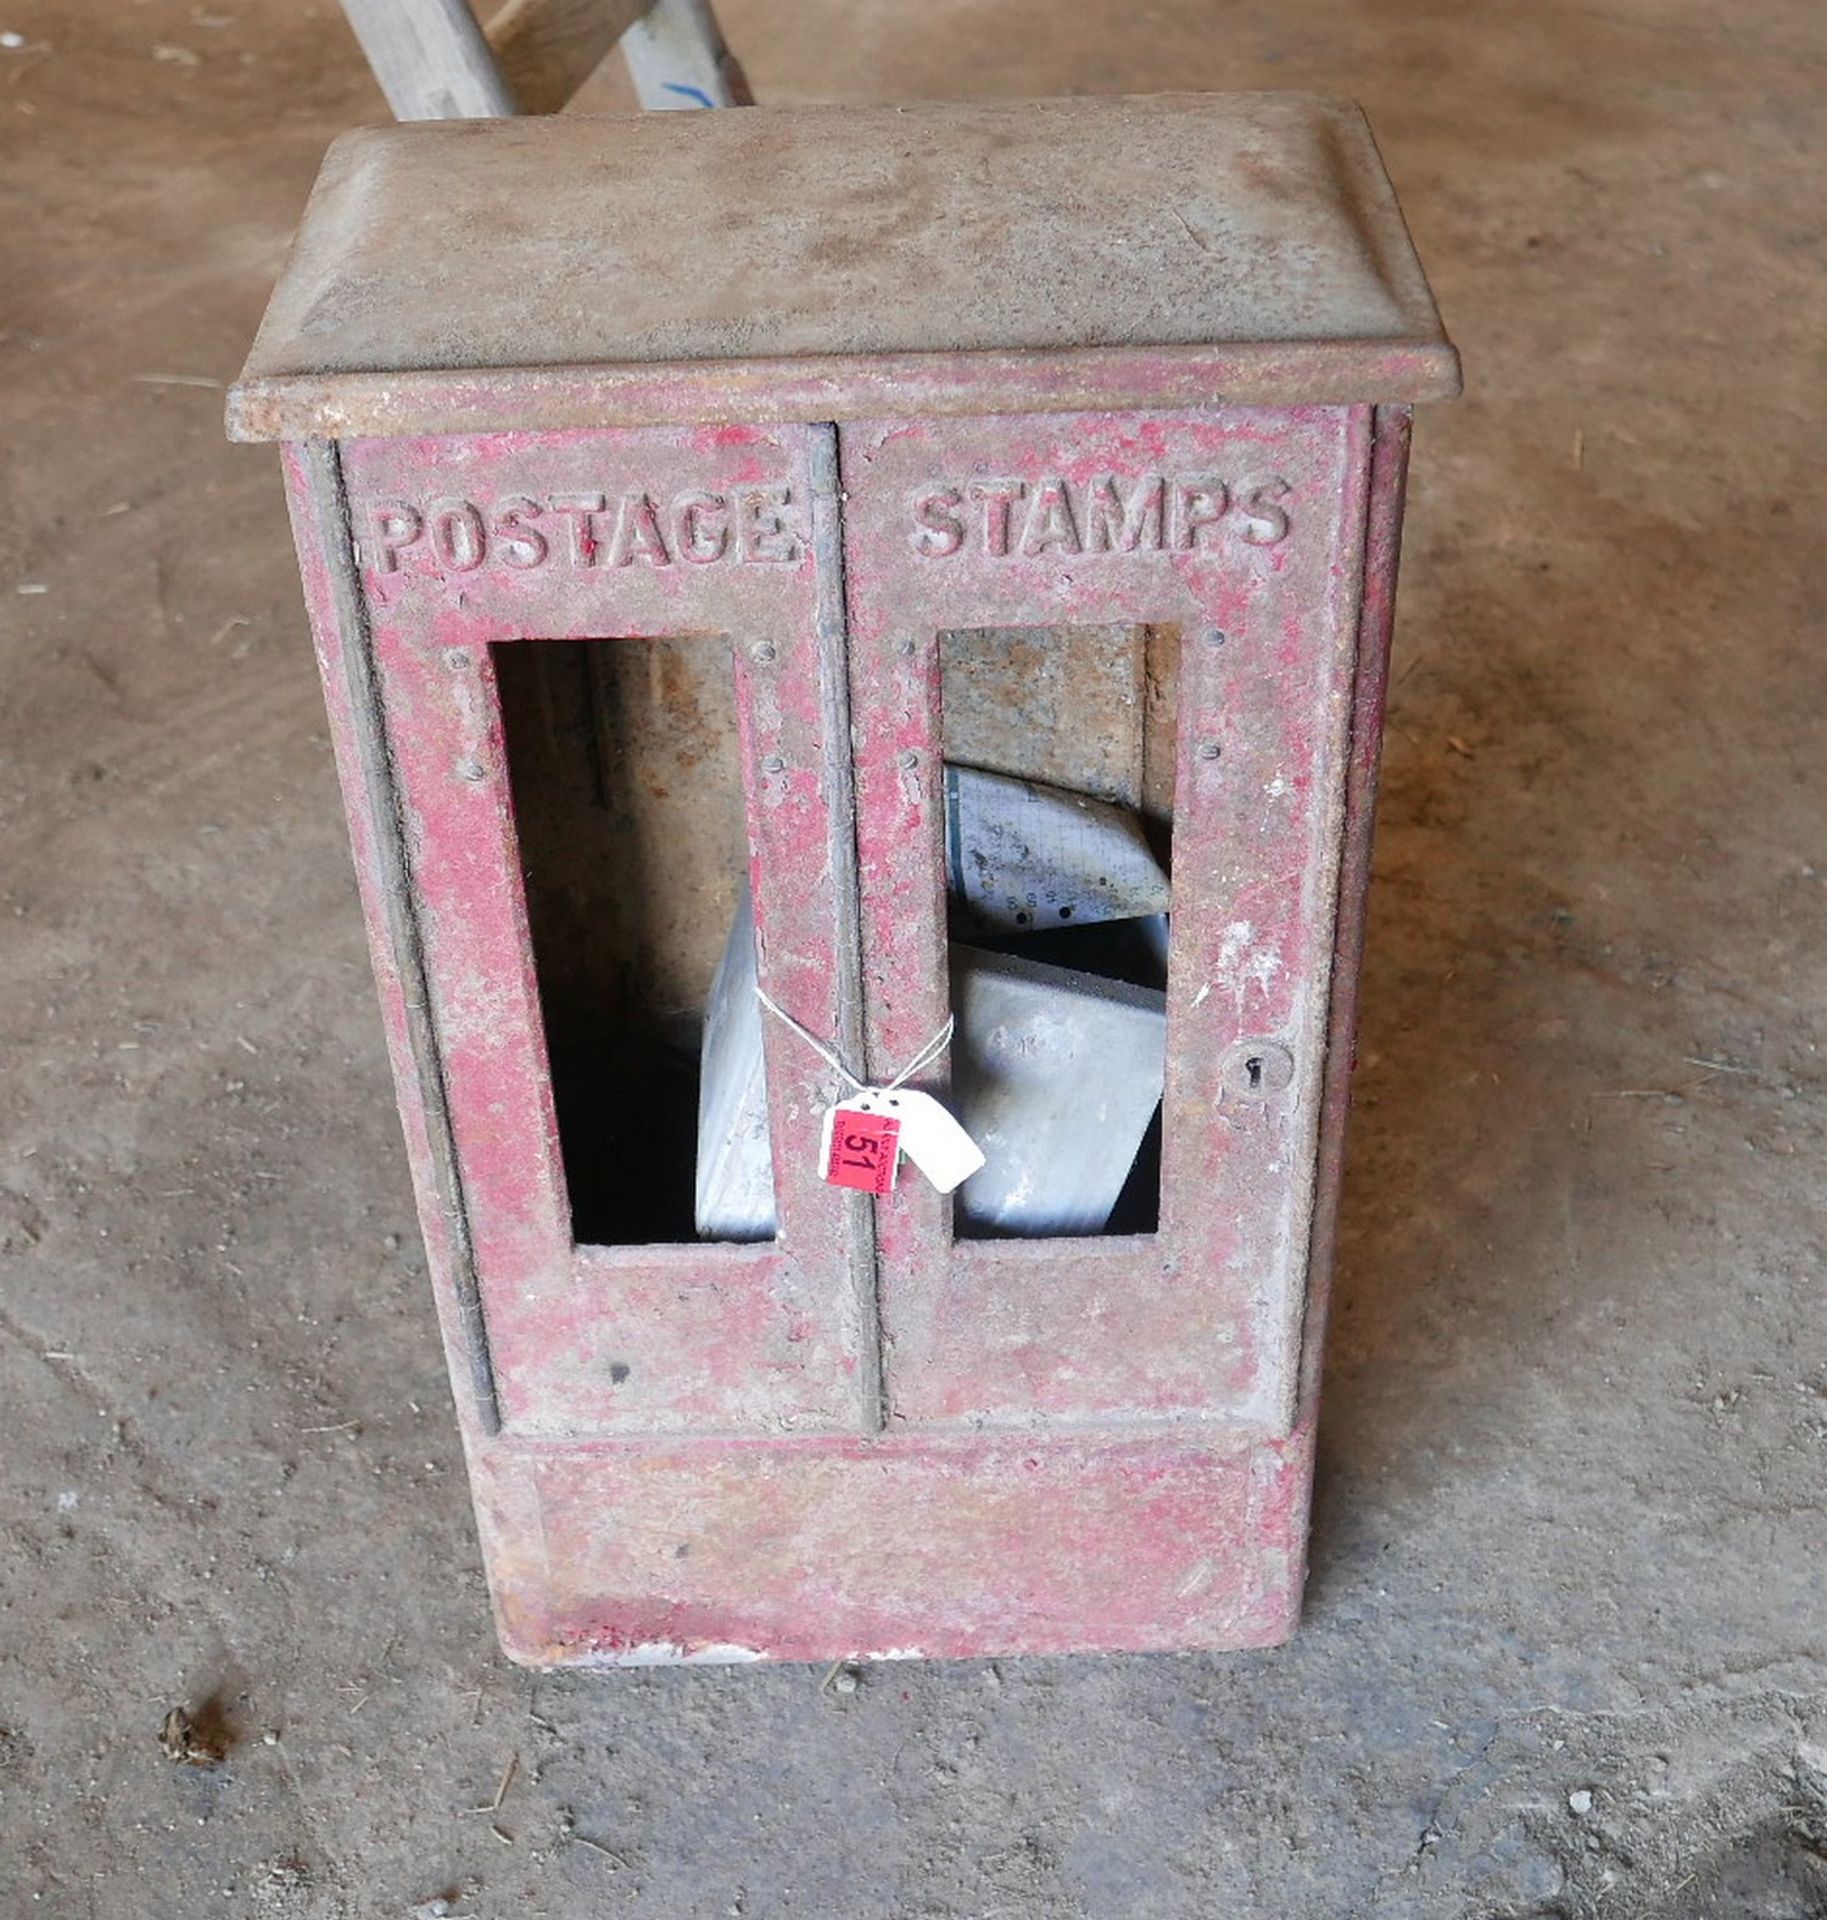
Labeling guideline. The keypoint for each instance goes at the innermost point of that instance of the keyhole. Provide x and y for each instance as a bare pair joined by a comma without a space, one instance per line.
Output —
1259,1069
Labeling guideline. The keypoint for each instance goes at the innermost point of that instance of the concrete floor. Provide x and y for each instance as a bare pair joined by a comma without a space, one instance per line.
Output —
1570,1539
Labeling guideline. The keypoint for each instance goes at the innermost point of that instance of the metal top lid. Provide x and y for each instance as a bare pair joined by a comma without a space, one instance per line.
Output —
844,262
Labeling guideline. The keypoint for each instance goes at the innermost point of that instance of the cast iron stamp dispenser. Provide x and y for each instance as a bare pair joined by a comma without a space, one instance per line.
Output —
681,501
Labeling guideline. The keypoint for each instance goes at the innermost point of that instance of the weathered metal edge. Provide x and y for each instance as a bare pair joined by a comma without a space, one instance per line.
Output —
381,785
421,400
833,639
521,1439
1330,886
1376,620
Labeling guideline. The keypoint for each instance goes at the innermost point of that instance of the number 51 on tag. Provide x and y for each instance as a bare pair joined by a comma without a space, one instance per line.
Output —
861,1149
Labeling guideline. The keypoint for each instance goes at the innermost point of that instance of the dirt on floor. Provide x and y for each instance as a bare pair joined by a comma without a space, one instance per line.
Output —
1564,1650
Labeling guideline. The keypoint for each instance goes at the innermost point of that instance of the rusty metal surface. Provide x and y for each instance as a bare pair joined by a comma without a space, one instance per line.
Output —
1060,705
1376,622
765,392
920,1547
1160,250
1111,1364
868,1436
1243,529
1093,1442
465,545
319,510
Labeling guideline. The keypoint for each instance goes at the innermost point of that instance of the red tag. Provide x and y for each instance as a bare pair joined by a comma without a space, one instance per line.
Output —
864,1149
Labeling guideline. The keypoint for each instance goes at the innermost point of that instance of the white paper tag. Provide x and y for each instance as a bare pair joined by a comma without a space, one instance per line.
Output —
931,1138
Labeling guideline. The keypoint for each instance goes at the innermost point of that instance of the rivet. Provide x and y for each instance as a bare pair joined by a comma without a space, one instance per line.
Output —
906,648
765,651
909,758
456,658
471,770
1209,750
1214,637
772,763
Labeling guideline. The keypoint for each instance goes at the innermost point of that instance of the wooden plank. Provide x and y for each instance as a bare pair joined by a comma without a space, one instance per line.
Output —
431,59
677,59
547,49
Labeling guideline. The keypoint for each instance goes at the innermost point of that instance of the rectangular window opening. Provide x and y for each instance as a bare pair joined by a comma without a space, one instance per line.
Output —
628,806
1059,786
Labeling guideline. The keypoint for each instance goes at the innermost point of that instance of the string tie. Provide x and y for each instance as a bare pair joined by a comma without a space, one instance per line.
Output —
924,1058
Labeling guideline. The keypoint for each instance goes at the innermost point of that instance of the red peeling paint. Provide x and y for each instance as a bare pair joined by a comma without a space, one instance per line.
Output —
719,1451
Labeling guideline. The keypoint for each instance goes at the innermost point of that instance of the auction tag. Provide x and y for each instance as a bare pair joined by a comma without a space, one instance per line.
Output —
861,1147
932,1139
